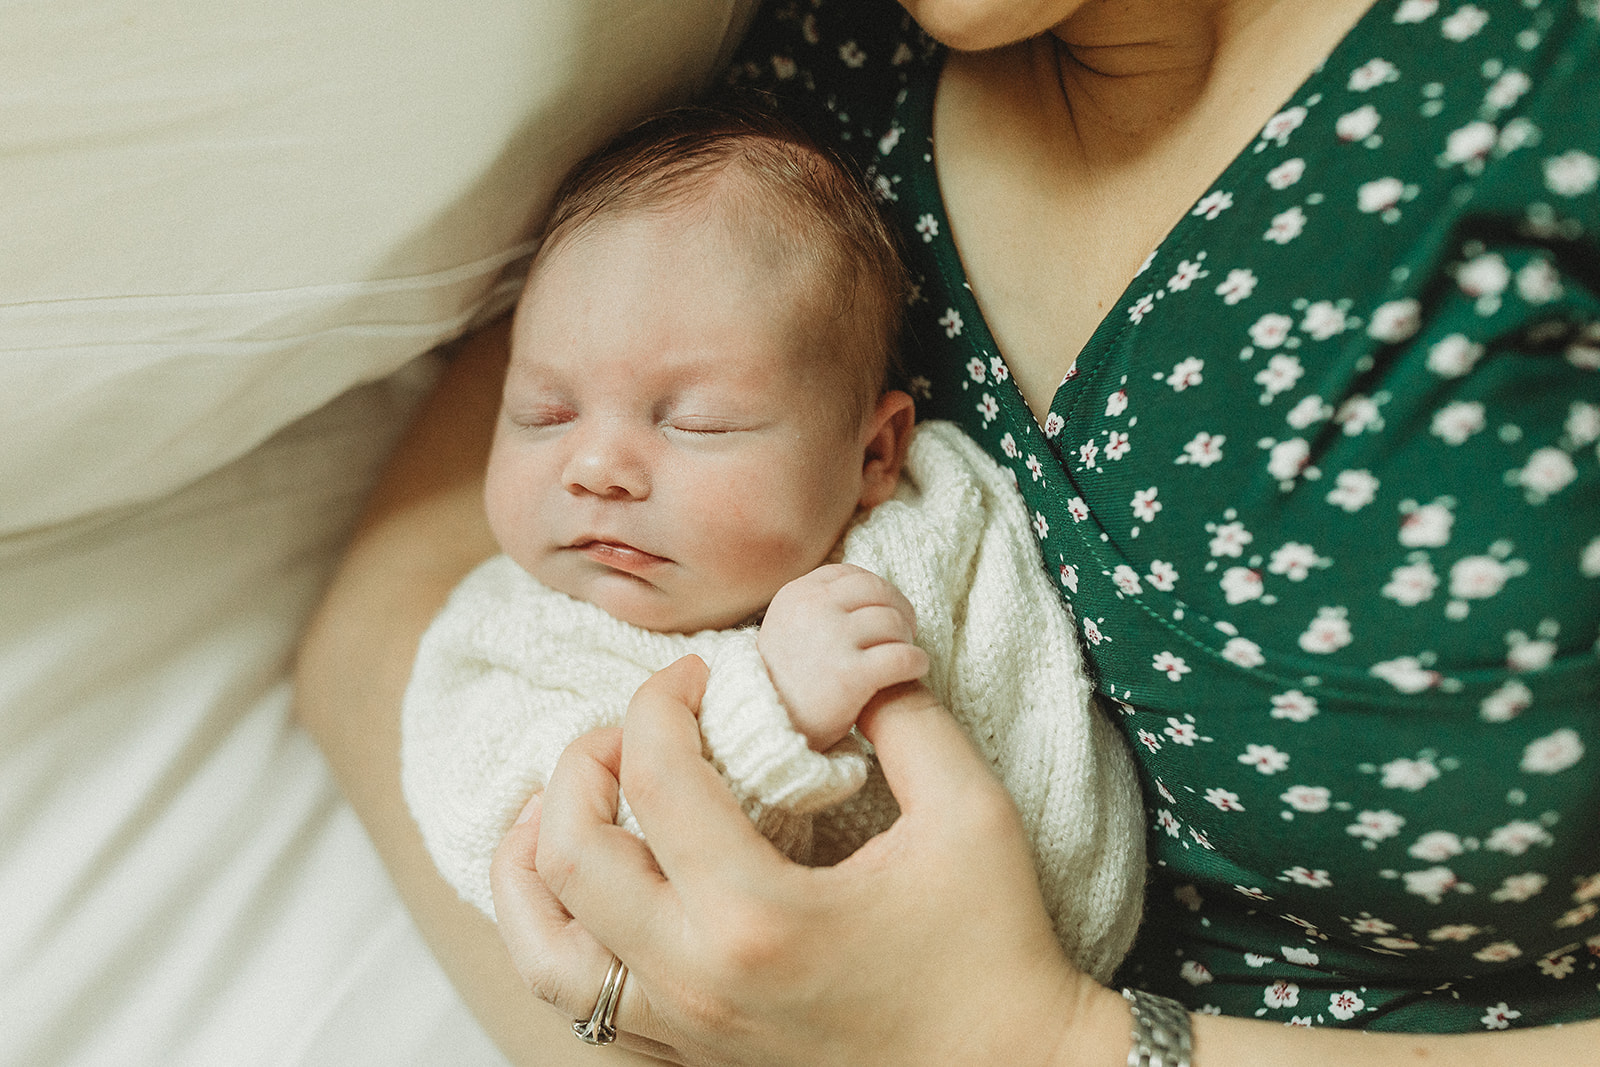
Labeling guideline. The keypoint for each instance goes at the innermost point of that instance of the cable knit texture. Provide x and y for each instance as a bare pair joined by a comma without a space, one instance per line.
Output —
511,672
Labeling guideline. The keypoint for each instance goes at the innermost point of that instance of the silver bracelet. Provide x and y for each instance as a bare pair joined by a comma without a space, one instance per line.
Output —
1161,1035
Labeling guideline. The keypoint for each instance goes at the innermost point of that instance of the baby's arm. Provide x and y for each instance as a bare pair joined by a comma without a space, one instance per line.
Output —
831,639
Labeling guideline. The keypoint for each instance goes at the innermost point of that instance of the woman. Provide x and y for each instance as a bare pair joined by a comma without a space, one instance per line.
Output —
1310,507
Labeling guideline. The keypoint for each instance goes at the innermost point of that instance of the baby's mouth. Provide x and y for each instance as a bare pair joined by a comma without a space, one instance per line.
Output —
619,556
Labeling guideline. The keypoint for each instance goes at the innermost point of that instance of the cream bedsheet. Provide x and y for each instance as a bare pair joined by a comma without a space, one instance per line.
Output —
227,234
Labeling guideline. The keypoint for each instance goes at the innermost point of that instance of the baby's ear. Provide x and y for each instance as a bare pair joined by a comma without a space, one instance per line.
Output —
887,435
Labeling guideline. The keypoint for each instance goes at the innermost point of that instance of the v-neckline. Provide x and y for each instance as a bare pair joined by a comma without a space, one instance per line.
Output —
919,102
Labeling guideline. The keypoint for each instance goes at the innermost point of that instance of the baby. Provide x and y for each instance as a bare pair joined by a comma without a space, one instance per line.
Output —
696,427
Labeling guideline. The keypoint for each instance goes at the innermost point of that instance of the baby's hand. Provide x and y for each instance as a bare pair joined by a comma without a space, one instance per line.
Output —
831,639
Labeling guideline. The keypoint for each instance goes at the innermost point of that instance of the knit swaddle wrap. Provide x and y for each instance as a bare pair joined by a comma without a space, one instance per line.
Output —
510,673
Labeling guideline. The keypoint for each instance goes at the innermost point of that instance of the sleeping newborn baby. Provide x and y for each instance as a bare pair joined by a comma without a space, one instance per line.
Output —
697,452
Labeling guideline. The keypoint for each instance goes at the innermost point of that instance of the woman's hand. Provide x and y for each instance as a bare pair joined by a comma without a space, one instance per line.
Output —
929,945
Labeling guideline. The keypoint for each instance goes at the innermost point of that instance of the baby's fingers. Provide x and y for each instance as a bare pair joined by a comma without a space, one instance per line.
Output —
892,663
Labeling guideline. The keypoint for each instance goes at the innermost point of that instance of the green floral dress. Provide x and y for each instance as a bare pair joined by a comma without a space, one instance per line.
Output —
1323,495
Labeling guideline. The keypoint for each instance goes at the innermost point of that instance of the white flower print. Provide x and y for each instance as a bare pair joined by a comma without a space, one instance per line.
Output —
951,321
1457,421
1150,740
1300,957
1538,281
1518,133
1368,924
1583,423
1577,916
998,368
1294,561
1549,470
1498,952
1035,468
1077,509
889,140
1426,525
989,408
851,55
1008,445
1186,373
1162,576
1506,703
1408,774
1264,758
1281,125
1395,321
1183,733
1315,879
1243,652
1224,800
1286,459
1558,966
1116,403
1126,579
1230,539
1345,1005
1271,330
1280,374
1307,798
1589,565
1519,887
1353,490
1053,425
1416,11
1433,883
1286,173
1357,125
1242,584
1588,889
1466,21
1286,225
1552,753
1328,632
1406,673
1436,846
1412,584
1172,666
1323,320
1069,576
1201,839
1371,74
1573,173
1294,706
1144,504
784,67
1213,204
1376,826
1091,632
1380,195
1253,892
1188,273
1507,89
1141,307
1453,356
1480,577
1470,144
928,227
1282,994
1116,445
1310,409
1499,1017
1041,527
1454,932
1484,277
1168,822
1528,654
1238,285
1358,414
1203,449
1194,972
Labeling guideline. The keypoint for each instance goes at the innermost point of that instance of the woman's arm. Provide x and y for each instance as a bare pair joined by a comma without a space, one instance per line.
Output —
422,531
930,945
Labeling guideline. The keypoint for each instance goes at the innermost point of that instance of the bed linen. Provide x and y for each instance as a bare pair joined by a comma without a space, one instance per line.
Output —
231,235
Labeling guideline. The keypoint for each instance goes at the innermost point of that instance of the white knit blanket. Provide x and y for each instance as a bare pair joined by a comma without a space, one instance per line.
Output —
511,672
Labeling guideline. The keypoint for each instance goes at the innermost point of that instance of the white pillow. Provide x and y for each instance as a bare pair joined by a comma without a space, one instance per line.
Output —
217,216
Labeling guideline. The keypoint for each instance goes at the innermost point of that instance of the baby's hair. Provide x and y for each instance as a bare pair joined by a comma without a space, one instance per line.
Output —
774,177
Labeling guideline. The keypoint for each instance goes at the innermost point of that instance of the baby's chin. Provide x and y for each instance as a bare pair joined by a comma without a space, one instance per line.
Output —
637,603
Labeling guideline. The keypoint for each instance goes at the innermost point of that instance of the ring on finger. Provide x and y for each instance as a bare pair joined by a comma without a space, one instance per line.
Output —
600,1028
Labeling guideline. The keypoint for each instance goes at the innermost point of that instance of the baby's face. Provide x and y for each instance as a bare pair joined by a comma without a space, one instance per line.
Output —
666,448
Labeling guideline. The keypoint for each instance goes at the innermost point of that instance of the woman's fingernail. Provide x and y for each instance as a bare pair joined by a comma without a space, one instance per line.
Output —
529,810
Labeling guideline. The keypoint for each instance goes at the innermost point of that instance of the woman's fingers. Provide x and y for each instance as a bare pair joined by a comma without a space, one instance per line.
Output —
695,827
926,756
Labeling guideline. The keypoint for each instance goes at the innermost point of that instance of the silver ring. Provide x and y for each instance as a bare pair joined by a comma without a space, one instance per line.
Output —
600,1028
